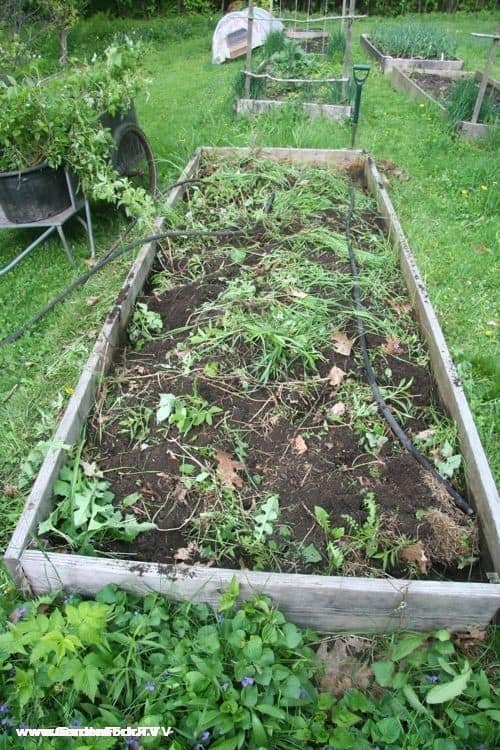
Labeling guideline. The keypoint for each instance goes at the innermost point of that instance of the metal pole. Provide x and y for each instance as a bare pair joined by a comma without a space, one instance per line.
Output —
348,44
248,64
486,75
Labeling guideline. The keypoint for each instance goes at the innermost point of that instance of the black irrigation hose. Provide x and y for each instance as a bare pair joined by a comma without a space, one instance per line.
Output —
113,255
372,381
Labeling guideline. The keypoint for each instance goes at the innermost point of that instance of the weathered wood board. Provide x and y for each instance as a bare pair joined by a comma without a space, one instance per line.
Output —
260,106
327,603
387,62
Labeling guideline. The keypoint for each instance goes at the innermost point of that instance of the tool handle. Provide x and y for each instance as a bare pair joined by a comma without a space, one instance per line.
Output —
360,73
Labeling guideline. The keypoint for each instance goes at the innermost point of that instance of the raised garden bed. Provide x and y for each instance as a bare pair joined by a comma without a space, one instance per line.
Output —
232,438
313,40
436,89
387,62
290,74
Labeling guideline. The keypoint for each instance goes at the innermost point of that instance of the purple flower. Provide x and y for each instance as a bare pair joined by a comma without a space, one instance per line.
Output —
150,687
4,708
136,613
75,723
165,675
246,681
18,614
205,736
224,686
432,677
302,693
132,743
219,618
198,746
7,722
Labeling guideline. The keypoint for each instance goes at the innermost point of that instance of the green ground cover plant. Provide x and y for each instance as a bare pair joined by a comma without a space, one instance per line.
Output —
240,676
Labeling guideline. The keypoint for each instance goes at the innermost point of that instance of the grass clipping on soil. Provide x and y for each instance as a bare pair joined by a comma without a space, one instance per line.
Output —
238,419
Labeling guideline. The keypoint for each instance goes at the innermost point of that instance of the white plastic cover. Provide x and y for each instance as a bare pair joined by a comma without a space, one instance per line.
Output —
229,39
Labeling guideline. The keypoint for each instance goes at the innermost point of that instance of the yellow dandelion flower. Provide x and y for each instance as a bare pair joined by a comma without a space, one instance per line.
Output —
484,187
68,391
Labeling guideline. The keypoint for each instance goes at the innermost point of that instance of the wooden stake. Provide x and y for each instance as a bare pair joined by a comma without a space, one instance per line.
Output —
486,75
348,44
248,64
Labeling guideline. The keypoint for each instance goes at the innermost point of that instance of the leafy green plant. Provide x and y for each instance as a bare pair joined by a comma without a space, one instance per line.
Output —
57,121
136,423
84,513
239,676
185,412
144,325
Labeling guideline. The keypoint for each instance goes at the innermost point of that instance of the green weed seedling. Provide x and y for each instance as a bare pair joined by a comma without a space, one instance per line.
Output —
185,412
144,326
136,423
84,514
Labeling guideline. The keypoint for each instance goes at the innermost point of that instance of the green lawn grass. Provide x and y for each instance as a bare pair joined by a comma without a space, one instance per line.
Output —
449,210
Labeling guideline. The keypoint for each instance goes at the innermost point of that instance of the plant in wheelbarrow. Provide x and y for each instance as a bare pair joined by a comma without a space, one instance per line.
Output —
76,127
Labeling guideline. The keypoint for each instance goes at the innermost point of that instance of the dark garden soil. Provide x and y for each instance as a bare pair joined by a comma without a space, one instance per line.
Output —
436,86
441,88
299,434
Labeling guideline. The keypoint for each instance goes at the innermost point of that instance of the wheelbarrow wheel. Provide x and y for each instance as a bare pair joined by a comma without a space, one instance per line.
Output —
132,157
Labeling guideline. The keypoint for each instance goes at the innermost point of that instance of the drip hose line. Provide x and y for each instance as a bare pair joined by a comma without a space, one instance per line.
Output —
116,252
372,381
113,255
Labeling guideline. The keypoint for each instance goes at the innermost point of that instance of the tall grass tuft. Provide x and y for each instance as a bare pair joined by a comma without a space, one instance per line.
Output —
413,40
275,42
336,45
463,99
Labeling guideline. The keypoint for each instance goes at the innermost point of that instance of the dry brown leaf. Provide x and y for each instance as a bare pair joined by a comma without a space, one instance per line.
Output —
392,346
425,434
342,344
10,490
336,376
297,293
179,493
89,301
227,467
91,470
342,670
184,554
400,307
480,248
415,553
299,445
337,410
467,639
90,262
